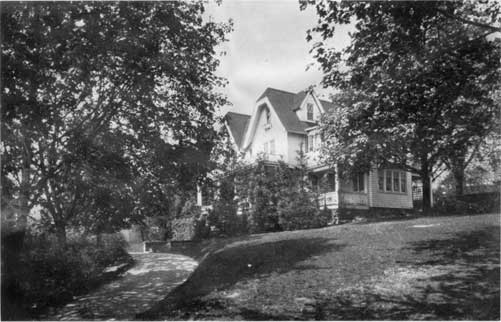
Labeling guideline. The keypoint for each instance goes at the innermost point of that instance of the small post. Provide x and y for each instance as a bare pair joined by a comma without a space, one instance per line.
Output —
199,195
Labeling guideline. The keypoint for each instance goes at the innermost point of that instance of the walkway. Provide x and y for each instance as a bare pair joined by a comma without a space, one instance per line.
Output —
149,281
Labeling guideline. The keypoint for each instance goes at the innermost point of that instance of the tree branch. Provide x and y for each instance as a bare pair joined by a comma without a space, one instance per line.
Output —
470,22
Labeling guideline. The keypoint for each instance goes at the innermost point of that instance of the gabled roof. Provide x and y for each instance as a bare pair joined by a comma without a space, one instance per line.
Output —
328,106
285,104
298,99
237,124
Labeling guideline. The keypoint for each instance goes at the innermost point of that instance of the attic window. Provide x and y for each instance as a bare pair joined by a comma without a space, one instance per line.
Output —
267,125
309,112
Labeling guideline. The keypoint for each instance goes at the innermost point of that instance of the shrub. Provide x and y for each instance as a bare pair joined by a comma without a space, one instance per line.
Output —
452,205
300,212
190,209
183,229
324,218
49,274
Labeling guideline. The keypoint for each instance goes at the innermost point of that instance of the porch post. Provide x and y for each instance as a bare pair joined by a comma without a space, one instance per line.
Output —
369,187
199,195
338,182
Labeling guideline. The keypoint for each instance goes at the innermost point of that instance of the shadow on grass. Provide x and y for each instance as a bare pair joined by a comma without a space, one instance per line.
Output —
455,278
238,262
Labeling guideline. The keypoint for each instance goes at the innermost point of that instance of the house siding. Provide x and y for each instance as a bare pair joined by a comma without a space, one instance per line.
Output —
294,142
276,132
389,199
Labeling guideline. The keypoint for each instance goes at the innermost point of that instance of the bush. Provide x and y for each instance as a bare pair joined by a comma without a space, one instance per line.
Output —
452,205
324,218
185,229
49,274
301,212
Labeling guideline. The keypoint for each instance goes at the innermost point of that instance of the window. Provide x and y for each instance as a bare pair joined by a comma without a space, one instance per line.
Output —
268,116
309,112
266,147
380,180
403,182
310,142
358,183
392,181
388,180
396,181
272,147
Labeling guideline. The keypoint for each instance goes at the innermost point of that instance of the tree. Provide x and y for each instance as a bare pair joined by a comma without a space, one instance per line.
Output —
415,81
298,206
224,215
106,99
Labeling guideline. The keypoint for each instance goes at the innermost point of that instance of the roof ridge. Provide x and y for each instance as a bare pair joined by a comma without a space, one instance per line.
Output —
279,90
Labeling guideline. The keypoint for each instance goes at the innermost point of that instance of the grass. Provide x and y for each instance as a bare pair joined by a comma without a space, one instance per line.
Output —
420,269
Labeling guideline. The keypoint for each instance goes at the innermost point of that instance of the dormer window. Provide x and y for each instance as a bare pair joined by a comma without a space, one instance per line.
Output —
309,112
267,125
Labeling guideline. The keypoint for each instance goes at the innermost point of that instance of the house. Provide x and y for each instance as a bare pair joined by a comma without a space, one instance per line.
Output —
282,123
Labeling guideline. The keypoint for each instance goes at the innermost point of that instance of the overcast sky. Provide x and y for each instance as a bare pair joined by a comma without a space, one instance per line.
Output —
267,49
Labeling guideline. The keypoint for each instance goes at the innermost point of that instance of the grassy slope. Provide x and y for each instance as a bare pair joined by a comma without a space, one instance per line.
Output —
428,268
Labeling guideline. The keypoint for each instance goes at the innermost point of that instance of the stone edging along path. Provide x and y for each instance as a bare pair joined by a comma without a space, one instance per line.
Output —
152,277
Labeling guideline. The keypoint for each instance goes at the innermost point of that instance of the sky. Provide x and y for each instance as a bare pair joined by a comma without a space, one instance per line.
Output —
267,48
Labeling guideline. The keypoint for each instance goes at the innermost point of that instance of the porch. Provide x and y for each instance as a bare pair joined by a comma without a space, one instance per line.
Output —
337,193
343,199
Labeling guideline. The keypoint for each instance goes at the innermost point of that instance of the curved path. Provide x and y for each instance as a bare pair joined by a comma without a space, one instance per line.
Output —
152,277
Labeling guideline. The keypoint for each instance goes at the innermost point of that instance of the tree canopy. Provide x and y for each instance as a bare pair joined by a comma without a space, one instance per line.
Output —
106,106
416,81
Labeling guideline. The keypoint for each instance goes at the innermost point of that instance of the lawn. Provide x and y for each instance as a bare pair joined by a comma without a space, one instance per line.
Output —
427,268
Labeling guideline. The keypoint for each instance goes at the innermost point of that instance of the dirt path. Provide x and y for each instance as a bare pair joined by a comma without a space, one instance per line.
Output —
149,281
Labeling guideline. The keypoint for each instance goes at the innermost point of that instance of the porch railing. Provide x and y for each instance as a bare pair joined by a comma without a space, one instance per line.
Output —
355,199
328,199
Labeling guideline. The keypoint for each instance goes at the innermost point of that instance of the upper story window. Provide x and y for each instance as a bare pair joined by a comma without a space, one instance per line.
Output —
272,147
310,142
392,181
358,182
267,125
309,112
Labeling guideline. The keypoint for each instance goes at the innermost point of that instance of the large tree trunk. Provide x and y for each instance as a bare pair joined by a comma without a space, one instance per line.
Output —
426,192
458,167
61,232
426,179
459,181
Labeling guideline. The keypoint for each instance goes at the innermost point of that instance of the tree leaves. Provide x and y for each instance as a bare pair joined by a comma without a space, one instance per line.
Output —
90,91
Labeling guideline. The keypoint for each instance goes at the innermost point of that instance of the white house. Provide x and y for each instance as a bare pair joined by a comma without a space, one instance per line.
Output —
282,123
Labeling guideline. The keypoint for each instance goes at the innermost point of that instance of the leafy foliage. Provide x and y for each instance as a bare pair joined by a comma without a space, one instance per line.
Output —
416,81
107,107
49,274
279,197
224,214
